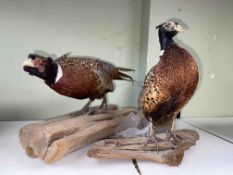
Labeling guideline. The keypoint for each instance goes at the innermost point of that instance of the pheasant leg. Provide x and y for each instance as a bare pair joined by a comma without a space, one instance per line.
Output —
85,108
151,138
104,103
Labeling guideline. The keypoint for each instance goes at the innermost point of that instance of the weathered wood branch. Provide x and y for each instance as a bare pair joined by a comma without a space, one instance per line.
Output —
51,139
131,148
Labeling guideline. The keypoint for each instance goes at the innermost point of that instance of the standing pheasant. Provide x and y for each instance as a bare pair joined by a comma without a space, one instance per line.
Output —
170,84
76,77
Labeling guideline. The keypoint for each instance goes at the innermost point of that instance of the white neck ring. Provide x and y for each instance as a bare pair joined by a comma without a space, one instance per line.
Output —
161,52
59,73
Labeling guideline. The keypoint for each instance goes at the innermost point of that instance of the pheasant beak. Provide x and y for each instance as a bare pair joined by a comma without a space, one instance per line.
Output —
28,63
178,28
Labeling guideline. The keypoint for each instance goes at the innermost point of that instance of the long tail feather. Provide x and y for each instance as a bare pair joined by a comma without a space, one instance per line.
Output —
123,76
125,69
126,77
135,163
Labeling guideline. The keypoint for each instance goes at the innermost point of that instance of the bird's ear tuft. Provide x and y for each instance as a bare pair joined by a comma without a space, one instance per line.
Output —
32,56
50,60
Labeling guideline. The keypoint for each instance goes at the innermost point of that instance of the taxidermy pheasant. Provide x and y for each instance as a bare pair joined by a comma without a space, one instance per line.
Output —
77,77
169,85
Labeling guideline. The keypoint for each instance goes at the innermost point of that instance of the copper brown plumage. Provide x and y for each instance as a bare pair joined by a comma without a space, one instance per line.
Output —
170,84
79,77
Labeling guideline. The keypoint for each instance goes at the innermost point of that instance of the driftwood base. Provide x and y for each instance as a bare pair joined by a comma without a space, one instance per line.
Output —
131,148
52,139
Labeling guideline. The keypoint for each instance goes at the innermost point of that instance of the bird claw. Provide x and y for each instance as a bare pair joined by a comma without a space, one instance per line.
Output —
85,110
175,138
152,139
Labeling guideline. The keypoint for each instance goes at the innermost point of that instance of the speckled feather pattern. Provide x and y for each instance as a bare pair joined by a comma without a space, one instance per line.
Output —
168,86
84,77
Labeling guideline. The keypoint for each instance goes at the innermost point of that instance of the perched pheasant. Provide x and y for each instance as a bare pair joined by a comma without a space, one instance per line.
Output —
77,77
170,84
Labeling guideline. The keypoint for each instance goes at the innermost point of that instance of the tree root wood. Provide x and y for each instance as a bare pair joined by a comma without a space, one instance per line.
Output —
131,148
52,139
